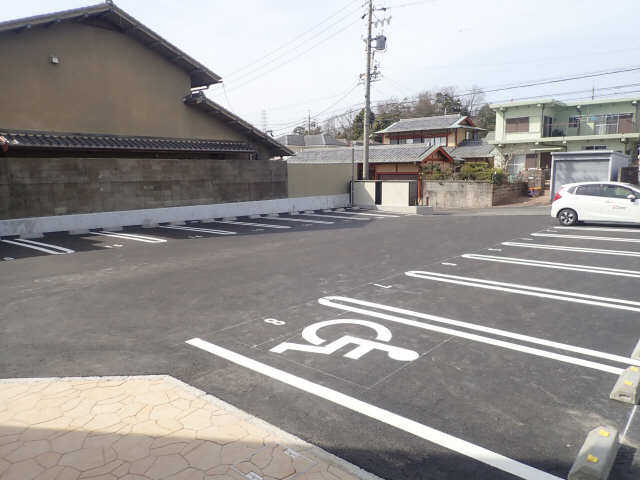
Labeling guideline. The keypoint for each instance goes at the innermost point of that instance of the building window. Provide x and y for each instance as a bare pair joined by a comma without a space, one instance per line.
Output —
402,141
574,122
595,147
437,141
519,124
531,161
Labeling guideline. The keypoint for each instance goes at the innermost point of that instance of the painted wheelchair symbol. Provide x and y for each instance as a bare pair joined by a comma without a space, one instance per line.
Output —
362,346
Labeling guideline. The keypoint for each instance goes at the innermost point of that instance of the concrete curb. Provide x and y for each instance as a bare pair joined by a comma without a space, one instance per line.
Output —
595,458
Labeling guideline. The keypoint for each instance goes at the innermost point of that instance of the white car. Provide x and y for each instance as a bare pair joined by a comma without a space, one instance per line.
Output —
597,202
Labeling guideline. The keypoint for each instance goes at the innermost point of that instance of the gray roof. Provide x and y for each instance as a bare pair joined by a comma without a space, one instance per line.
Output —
108,15
318,140
377,154
471,149
440,122
291,140
26,139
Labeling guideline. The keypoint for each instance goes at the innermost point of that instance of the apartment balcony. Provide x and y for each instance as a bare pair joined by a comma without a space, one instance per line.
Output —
612,125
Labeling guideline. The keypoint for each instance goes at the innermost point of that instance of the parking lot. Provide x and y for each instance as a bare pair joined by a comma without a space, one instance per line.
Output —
414,347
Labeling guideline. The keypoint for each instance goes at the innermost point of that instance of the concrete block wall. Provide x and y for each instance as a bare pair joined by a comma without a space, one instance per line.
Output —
508,193
39,187
441,194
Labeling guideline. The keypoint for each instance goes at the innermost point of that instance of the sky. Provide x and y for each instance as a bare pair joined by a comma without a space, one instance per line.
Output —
283,60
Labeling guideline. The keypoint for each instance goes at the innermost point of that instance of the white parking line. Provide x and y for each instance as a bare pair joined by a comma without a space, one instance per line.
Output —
337,302
560,266
199,229
40,246
251,224
607,302
602,229
301,220
587,237
130,236
366,214
624,253
429,434
341,217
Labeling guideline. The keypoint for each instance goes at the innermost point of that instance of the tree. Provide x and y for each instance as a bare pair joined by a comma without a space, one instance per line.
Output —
309,128
358,124
485,118
472,100
447,101
425,105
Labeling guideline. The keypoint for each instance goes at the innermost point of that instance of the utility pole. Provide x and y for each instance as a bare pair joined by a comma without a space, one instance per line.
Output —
309,123
367,97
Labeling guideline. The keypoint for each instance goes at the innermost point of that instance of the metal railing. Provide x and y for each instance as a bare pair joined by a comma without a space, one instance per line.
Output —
582,125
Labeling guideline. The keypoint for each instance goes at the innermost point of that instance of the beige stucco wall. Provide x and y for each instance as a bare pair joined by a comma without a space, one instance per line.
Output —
106,82
364,193
305,180
395,194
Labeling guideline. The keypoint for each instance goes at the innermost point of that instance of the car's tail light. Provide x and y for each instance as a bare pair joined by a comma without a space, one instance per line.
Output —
557,197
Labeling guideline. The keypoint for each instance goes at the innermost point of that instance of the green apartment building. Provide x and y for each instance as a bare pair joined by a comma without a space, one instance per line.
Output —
527,132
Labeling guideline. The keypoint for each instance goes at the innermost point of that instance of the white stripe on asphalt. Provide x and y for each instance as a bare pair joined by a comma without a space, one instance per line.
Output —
42,247
624,253
251,224
130,236
607,302
602,229
429,434
336,302
341,217
587,237
198,229
560,266
366,214
301,220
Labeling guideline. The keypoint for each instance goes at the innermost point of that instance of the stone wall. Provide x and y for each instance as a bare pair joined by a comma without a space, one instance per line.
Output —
508,193
37,187
443,194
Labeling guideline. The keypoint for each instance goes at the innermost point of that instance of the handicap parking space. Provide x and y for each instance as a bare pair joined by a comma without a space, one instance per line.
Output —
499,360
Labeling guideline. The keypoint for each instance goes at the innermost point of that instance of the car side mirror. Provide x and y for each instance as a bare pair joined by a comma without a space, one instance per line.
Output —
631,197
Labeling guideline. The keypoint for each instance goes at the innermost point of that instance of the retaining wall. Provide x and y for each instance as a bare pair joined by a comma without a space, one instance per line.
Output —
440,194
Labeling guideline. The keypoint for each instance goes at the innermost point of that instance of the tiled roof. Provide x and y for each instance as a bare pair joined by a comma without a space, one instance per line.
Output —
471,150
291,140
377,154
85,141
439,122
318,140
108,15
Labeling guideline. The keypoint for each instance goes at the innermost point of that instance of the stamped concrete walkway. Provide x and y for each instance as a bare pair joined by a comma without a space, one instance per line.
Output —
145,428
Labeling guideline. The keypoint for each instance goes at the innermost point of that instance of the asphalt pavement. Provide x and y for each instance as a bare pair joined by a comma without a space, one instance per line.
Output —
446,346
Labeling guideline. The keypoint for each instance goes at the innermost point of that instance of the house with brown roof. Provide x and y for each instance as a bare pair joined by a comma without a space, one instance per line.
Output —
461,138
100,113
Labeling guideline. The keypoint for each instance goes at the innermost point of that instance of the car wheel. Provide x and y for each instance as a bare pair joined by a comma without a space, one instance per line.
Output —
567,216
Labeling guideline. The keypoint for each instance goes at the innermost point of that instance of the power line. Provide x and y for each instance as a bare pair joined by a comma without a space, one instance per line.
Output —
262,74
511,87
288,43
